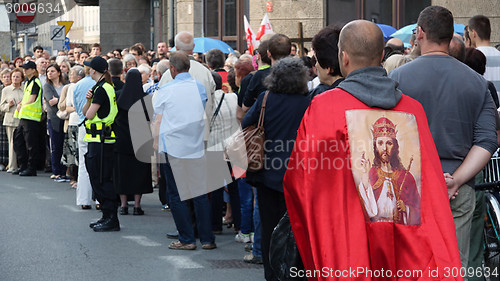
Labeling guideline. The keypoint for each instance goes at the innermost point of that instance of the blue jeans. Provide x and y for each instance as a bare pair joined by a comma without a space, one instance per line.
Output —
256,248
56,148
182,217
246,202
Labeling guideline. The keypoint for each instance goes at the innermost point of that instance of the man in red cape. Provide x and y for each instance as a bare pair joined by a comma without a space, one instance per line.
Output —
334,239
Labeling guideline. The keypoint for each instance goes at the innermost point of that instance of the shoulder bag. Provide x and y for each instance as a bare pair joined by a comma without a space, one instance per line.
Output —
245,148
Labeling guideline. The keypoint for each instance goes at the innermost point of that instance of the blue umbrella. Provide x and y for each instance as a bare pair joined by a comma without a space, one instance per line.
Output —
405,33
387,30
204,44
459,28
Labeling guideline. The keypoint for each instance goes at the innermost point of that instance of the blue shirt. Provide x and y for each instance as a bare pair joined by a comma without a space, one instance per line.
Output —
185,76
181,103
79,95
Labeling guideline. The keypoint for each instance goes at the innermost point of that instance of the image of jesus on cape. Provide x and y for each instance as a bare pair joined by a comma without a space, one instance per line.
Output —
388,190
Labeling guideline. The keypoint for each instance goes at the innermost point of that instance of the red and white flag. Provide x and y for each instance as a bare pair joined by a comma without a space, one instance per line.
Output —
252,43
265,27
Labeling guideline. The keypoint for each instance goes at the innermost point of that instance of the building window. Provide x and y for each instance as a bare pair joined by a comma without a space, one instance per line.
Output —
223,20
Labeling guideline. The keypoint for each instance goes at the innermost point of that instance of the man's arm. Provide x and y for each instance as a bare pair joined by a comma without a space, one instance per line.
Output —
156,131
484,145
473,163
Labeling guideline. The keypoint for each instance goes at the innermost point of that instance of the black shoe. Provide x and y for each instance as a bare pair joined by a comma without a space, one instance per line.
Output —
173,235
124,210
16,172
28,173
109,224
86,207
138,211
92,224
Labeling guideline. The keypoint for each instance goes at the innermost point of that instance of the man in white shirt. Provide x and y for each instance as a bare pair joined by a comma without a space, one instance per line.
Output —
480,32
179,108
184,41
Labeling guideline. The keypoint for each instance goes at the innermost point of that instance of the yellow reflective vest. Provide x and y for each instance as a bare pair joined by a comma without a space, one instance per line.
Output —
97,127
31,111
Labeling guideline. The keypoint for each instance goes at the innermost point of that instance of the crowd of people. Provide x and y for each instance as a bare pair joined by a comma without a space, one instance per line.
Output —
410,127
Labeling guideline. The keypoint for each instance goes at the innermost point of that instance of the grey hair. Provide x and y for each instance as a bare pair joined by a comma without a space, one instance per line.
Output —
127,58
144,68
288,76
184,41
180,61
78,70
162,66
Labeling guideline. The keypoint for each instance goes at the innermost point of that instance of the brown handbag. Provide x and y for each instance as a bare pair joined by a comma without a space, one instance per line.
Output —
246,147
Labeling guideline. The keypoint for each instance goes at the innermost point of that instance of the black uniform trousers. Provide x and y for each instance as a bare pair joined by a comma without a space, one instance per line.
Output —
104,190
26,139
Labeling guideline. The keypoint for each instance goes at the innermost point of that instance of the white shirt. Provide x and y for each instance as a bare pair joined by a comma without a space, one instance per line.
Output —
492,65
182,125
73,117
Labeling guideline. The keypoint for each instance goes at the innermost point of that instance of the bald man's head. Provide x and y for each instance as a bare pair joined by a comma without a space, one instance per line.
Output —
184,41
396,44
363,42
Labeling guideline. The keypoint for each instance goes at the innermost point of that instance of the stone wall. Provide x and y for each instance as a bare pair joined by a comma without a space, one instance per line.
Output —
5,46
287,14
463,10
123,23
189,16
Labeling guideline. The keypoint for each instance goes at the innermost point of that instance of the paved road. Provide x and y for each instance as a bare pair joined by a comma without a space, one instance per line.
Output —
45,236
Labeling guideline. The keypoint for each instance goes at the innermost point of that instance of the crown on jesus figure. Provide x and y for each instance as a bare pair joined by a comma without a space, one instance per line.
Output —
383,127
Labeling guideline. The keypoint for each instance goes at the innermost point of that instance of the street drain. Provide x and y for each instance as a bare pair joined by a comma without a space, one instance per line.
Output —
225,264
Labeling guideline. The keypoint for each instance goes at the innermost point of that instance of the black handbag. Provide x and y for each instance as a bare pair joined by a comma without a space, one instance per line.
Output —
283,252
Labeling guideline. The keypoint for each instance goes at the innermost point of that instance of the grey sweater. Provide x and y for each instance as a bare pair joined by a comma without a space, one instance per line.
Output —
459,108
50,92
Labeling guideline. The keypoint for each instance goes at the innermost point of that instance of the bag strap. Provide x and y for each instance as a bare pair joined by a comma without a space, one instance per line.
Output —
260,124
216,112
145,110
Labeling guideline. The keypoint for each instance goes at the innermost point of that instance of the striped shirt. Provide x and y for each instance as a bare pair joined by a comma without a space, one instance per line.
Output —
492,65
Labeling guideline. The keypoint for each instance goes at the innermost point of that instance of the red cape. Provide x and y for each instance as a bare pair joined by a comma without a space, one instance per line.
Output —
327,217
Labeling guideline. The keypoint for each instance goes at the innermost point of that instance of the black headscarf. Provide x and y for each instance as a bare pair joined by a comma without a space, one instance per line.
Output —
132,90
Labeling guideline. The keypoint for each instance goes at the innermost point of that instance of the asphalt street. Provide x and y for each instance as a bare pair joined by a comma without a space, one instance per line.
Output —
45,236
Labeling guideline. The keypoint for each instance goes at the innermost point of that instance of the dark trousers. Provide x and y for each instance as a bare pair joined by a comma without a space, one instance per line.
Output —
103,190
26,138
272,207
217,204
56,147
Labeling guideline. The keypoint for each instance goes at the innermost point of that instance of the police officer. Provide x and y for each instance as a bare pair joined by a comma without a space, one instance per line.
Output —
27,134
100,111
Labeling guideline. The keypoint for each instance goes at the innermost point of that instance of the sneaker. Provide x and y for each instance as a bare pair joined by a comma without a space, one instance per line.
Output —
242,238
165,208
62,179
250,258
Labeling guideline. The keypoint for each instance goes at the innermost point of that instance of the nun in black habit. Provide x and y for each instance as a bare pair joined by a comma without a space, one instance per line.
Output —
131,177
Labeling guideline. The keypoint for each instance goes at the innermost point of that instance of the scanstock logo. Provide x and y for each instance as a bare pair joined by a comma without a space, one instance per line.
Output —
39,12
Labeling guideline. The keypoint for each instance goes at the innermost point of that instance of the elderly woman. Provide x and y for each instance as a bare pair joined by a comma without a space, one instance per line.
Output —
11,96
67,109
129,61
4,145
51,93
222,125
286,103
145,71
